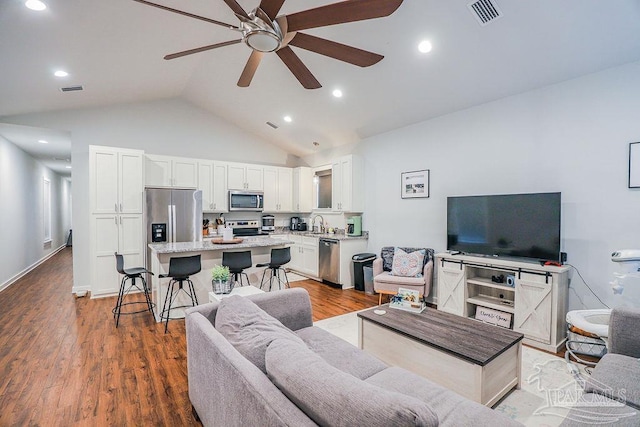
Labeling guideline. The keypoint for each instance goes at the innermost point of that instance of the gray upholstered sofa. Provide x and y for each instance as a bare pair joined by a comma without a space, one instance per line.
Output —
321,379
612,393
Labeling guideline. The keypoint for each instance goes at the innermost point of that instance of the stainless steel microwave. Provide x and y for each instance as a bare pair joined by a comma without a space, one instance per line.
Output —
246,200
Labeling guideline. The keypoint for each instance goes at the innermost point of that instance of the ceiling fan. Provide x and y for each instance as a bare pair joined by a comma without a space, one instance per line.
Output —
265,32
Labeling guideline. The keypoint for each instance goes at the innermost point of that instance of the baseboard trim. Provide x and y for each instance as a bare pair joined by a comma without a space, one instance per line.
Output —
30,268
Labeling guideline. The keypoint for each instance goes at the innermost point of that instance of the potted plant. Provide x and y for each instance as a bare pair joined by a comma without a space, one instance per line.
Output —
220,276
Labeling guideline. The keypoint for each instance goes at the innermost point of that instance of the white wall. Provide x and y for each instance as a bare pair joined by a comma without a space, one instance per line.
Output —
170,127
571,137
22,213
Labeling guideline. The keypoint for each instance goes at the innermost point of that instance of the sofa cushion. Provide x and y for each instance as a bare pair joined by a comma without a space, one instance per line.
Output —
390,279
334,398
341,354
387,255
616,376
450,408
249,328
407,264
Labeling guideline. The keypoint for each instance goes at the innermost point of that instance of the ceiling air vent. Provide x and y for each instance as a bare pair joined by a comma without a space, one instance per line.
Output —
71,88
272,125
485,11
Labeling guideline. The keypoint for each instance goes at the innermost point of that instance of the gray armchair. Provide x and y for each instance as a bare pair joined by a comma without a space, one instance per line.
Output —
615,377
385,283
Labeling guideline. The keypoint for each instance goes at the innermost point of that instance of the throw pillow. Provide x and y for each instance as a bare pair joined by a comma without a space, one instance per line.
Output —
331,397
249,328
407,265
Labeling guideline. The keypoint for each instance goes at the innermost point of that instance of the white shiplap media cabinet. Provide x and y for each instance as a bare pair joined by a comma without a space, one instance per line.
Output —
537,302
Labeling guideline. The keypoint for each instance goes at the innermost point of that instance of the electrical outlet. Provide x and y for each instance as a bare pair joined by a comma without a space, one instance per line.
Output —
563,257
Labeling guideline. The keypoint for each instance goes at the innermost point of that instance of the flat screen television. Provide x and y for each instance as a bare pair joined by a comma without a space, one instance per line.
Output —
508,225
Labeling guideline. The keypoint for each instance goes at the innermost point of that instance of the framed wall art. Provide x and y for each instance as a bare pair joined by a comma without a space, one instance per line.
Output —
634,165
414,184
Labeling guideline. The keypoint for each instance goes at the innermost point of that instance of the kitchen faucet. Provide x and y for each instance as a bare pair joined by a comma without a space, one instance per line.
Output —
313,223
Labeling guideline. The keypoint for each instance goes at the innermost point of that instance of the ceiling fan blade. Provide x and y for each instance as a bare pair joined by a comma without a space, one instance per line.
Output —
237,9
271,7
298,69
341,12
201,49
190,15
250,69
339,51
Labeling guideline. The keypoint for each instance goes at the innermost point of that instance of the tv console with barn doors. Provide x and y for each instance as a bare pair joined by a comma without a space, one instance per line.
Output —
535,305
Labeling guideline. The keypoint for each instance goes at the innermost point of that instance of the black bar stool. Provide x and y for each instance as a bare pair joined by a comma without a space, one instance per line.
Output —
279,257
179,271
131,274
237,262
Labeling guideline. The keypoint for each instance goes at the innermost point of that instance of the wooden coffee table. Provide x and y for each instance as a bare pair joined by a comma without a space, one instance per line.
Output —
478,361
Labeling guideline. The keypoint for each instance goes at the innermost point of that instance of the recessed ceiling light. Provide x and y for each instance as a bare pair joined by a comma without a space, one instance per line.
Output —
288,119
337,93
42,141
35,5
68,167
61,73
425,46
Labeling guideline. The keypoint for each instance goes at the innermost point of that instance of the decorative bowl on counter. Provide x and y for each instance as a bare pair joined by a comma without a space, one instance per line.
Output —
221,241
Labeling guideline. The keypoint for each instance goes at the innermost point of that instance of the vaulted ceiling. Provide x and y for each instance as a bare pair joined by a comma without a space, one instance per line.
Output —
115,50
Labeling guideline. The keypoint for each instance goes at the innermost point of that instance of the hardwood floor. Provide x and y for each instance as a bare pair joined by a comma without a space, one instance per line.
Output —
63,362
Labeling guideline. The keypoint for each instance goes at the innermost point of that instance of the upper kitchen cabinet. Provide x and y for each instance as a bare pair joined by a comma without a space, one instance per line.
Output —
302,189
116,180
212,180
168,171
278,189
347,184
241,176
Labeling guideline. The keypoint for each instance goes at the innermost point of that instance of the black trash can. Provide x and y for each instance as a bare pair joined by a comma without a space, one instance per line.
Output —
359,262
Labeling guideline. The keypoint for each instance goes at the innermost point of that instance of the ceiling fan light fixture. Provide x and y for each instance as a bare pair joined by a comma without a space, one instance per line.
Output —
259,33
262,41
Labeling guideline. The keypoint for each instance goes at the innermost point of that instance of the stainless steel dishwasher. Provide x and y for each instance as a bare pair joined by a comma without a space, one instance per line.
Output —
329,254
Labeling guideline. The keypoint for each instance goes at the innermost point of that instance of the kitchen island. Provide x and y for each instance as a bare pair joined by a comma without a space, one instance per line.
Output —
211,255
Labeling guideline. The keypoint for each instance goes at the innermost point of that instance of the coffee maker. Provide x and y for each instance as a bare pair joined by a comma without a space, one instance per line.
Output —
354,226
268,224
294,223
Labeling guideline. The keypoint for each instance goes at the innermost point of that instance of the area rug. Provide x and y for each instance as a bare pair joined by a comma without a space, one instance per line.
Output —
544,376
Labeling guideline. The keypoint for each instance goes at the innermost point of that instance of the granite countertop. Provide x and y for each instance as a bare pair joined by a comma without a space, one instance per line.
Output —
206,245
335,236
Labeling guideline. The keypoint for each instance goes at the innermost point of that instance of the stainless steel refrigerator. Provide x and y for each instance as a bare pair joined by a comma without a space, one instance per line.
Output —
172,216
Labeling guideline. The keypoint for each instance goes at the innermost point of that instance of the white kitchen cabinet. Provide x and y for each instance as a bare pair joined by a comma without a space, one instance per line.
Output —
241,176
278,189
347,185
310,256
212,181
302,189
169,171
536,305
109,234
304,255
116,180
